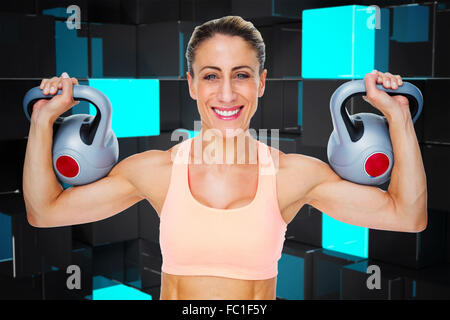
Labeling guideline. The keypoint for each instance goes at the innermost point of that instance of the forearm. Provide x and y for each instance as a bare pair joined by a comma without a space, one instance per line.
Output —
408,186
40,185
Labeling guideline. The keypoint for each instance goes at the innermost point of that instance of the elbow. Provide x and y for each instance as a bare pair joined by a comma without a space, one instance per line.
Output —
421,225
33,220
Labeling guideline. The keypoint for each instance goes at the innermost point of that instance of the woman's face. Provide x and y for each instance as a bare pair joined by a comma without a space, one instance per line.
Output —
226,80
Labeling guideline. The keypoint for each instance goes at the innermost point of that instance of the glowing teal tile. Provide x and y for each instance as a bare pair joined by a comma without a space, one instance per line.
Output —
382,42
135,104
338,42
119,292
97,57
410,23
5,237
60,12
71,51
300,103
345,238
290,279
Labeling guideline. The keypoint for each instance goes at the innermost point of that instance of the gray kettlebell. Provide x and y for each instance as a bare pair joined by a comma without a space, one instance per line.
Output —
359,148
85,148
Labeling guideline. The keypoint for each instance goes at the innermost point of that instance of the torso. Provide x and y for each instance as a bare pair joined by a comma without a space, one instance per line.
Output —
211,195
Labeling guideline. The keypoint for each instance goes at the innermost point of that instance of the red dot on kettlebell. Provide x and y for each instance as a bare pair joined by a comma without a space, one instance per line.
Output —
376,164
67,166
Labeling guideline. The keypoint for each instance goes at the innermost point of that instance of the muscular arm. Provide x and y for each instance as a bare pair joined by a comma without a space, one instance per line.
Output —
48,205
403,207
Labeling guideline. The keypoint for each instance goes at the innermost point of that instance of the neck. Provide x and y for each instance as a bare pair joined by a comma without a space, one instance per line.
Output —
210,147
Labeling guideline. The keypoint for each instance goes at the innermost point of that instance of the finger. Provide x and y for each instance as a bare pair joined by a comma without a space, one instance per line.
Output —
370,82
41,86
53,87
67,94
374,95
48,85
387,82
75,81
399,80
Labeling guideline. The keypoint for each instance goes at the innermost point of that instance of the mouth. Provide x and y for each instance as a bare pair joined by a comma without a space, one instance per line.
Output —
227,113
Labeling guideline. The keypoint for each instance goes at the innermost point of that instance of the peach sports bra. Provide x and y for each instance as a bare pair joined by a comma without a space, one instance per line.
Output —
240,243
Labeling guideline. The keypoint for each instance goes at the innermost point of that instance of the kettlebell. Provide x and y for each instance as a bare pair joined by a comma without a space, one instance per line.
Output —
359,148
85,147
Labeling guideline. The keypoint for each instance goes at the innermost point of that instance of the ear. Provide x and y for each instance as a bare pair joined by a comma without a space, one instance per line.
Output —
262,83
190,80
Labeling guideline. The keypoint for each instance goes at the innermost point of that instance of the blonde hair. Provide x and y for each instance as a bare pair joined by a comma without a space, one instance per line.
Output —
229,25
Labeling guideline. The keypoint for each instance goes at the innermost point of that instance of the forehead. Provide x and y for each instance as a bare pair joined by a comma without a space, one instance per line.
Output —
223,50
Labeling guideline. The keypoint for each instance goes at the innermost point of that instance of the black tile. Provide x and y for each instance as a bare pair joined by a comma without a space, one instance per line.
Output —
436,114
161,48
24,288
169,104
11,168
429,284
409,249
316,119
108,261
435,160
107,11
327,269
117,54
203,10
58,8
28,46
306,227
271,105
19,6
411,40
442,44
149,11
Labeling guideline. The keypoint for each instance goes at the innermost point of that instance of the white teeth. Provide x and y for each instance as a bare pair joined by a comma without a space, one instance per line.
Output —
227,113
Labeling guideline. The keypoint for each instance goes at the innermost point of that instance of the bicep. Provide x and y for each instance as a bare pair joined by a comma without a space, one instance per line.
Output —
95,201
348,202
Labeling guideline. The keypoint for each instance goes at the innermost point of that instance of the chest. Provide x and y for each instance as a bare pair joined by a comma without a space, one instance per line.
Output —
227,188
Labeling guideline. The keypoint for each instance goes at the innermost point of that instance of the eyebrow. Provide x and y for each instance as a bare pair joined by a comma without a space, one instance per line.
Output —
234,68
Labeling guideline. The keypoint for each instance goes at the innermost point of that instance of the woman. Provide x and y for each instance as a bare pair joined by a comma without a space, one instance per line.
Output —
223,218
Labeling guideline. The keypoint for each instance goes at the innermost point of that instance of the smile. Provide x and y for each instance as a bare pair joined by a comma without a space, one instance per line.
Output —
228,113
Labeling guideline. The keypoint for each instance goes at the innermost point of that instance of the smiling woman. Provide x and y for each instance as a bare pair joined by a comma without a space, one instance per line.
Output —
223,223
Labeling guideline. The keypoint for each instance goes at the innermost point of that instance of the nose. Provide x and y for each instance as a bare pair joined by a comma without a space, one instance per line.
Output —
226,93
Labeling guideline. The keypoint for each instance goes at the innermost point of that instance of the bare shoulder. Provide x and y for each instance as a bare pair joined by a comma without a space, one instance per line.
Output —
298,174
139,167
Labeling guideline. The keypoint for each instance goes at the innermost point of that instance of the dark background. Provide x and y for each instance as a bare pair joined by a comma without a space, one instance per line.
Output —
147,39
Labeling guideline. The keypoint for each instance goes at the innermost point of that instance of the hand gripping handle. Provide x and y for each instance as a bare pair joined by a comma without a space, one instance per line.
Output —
341,120
81,93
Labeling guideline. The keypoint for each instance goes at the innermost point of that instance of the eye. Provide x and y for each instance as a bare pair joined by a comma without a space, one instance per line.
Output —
209,77
242,76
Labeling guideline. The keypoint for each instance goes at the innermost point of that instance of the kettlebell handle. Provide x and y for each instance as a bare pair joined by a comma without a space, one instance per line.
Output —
349,131
101,102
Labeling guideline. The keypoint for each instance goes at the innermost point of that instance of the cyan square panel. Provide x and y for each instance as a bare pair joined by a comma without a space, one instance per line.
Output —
106,289
345,238
338,42
290,280
135,105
